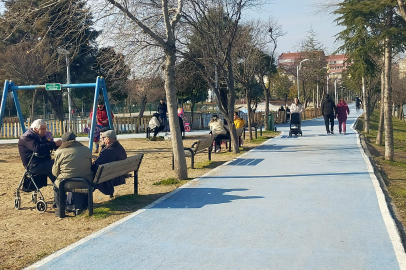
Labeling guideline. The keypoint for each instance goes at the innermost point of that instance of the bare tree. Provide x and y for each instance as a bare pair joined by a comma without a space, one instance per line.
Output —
213,26
29,66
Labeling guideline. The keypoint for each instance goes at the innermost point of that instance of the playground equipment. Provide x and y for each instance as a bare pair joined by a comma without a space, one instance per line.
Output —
9,86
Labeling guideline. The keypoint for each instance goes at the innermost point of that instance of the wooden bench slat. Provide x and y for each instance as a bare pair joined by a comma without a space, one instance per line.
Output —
114,169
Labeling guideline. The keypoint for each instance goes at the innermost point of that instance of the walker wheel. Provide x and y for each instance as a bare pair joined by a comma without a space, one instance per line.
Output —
41,206
17,203
34,197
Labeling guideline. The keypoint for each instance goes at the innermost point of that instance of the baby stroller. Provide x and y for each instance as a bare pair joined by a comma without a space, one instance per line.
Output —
295,124
32,183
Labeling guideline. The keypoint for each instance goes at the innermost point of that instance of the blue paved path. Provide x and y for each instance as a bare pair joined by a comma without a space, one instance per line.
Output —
306,202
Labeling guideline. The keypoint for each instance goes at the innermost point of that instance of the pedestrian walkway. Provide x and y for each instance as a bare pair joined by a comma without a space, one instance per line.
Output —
308,202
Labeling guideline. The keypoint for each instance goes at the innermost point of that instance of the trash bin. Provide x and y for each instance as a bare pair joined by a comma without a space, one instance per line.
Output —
271,121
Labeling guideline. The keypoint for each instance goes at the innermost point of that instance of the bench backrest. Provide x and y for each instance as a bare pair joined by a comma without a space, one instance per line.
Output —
204,143
115,169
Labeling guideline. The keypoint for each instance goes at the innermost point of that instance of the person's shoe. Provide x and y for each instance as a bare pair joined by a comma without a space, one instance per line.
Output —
332,132
340,132
345,133
328,132
218,150
96,151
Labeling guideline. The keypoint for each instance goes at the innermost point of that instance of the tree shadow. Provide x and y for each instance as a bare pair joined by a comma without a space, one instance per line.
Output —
200,197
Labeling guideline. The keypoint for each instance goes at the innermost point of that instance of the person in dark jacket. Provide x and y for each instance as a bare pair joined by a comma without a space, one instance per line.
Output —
162,110
328,111
113,151
34,141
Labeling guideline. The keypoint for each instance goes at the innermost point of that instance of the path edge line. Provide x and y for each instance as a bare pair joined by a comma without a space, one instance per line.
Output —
388,210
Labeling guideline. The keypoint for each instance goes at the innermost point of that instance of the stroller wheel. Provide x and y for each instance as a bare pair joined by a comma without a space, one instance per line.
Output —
41,206
34,197
17,203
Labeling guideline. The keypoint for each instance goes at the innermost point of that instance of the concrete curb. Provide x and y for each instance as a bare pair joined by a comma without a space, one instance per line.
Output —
394,212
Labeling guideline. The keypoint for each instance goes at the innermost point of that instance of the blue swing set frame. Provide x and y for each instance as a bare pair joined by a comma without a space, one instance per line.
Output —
100,84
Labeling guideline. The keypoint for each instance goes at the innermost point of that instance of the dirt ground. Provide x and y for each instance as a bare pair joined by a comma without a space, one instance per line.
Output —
27,235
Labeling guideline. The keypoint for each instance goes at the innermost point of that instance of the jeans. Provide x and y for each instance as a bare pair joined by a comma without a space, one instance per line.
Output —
327,119
217,140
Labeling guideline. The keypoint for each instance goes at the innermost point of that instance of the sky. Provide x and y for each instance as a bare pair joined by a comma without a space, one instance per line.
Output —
296,18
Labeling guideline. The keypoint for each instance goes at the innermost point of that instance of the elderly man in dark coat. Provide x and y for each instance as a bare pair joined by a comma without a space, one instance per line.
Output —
113,151
35,141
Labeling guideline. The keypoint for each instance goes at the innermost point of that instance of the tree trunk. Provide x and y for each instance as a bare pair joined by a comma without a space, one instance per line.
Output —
176,136
366,107
34,101
249,114
191,112
267,94
231,89
382,112
389,144
142,108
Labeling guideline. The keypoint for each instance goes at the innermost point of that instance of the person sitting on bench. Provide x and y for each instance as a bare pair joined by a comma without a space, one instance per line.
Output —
155,125
113,151
72,159
218,129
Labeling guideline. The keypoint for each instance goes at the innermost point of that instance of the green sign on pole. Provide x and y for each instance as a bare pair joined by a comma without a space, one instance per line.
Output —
52,86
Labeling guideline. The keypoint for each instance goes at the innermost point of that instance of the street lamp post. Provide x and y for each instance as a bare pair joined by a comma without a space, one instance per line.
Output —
298,68
66,53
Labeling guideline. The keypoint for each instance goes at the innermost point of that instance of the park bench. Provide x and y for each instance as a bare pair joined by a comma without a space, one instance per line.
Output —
240,132
255,127
105,172
197,147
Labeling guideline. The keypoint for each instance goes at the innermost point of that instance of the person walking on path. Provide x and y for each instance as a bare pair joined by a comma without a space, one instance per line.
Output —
341,113
358,103
327,110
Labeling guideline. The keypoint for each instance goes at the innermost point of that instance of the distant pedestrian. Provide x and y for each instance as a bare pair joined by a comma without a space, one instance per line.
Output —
342,111
162,110
358,103
328,111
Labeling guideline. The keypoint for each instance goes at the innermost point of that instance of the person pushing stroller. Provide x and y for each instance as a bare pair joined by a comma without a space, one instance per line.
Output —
295,117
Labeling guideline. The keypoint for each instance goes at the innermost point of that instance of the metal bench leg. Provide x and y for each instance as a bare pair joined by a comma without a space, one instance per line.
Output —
62,198
260,131
90,200
229,148
256,133
173,162
136,182
193,160
210,149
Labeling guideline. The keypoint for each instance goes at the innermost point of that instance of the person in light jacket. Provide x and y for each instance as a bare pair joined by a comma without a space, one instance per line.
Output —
296,106
155,125
219,131
72,159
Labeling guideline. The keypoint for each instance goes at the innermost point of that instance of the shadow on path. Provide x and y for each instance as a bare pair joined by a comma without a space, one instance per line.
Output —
199,197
